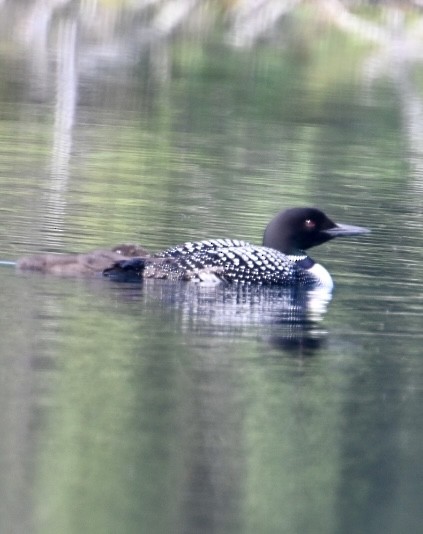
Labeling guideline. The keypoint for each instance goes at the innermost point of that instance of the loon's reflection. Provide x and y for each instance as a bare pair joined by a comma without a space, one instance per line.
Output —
288,318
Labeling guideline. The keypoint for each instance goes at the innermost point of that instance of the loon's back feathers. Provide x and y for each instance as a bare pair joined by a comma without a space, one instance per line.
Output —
279,261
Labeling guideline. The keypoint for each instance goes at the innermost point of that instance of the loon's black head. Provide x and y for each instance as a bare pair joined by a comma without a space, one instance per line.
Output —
298,229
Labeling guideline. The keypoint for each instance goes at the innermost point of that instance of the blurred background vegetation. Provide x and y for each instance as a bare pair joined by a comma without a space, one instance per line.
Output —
101,100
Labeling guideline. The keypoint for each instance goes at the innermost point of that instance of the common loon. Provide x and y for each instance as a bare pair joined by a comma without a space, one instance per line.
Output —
280,261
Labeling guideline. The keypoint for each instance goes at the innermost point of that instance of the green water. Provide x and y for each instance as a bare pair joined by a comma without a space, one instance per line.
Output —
128,409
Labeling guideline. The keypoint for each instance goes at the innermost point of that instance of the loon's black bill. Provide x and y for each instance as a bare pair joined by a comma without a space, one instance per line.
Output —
345,230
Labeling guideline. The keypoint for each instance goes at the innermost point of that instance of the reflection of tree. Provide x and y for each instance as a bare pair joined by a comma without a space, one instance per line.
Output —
66,44
395,60
121,34
66,95
118,32
246,21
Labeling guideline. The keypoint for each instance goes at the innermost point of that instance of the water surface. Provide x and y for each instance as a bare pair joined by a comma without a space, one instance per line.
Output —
129,408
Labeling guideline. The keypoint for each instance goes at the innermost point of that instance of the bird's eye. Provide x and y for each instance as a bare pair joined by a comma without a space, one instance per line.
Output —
309,224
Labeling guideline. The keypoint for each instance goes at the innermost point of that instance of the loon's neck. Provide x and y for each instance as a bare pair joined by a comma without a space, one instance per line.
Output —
322,276
301,259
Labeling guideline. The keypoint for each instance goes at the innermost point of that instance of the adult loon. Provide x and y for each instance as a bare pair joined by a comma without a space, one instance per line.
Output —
280,261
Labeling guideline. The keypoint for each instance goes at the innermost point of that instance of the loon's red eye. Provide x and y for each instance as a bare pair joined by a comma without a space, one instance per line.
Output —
309,224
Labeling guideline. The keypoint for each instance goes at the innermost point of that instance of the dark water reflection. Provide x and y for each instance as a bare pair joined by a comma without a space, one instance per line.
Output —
179,409
129,408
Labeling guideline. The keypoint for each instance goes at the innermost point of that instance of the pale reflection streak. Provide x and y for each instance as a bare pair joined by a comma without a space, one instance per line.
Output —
64,117
396,61
34,33
66,97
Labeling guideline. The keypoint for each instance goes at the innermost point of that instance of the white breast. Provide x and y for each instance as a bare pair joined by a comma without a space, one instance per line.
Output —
322,275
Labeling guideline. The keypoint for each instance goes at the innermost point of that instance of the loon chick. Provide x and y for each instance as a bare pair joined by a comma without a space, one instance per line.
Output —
84,264
281,259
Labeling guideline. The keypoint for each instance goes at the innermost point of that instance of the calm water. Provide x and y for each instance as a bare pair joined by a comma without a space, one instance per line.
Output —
158,409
